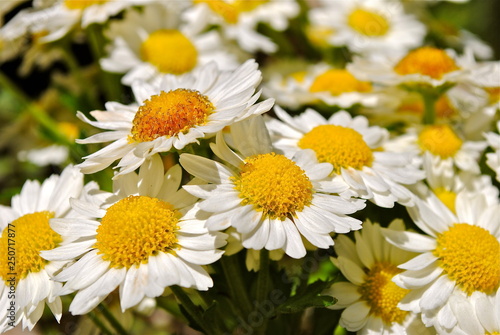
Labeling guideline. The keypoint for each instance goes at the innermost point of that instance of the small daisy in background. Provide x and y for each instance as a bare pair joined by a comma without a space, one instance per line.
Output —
370,297
493,158
141,238
320,83
172,113
458,256
25,227
369,28
271,200
155,41
356,151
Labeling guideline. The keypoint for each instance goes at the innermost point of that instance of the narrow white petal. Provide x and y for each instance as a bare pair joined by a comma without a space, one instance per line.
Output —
410,241
437,294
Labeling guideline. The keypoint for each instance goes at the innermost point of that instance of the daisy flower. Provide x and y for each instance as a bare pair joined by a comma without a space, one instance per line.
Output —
24,233
369,27
176,111
238,19
155,41
142,238
370,298
271,200
320,83
493,158
354,149
458,256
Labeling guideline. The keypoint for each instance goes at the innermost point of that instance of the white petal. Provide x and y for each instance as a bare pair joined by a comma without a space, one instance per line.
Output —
437,294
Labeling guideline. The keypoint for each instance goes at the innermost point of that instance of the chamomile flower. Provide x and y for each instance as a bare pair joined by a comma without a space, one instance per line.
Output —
155,41
458,256
172,113
271,200
238,19
370,298
24,233
142,238
493,158
370,28
320,83
355,150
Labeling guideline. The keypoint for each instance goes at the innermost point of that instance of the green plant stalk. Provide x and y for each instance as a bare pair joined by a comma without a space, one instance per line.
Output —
112,320
237,289
429,116
191,308
263,285
104,330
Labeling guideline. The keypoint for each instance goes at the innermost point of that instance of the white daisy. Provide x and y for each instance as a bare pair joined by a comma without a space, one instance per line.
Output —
320,83
356,151
370,298
270,199
26,283
458,256
143,237
369,27
155,41
173,113
493,158
238,20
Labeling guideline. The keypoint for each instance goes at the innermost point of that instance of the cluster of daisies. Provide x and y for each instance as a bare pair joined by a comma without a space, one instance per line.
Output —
225,148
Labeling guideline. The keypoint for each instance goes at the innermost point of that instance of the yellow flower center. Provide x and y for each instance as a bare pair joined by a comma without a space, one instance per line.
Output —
170,51
274,185
82,4
230,11
368,23
428,61
339,146
23,240
170,113
338,81
470,256
298,76
319,35
446,197
382,294
493,93
440,140
136,228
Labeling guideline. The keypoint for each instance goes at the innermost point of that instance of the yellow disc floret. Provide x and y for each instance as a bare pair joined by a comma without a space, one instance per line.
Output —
340,146
428,61
169,114
447,197
470,256
230,11
382,294
136,228
368,23
170,51
82,4
439,140
274,185
338,81
23,240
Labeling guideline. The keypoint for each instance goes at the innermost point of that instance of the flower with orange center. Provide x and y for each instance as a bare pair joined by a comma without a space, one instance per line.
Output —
271,200
173,113
459,256
143,238
25,233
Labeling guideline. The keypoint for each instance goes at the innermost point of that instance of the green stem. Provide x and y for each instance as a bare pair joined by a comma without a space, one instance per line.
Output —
112,320
237,288
263,284
171,307
193,310
104,330
429,116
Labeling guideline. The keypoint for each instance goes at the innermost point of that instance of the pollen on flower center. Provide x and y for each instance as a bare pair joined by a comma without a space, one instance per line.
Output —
469,256
230,11
27,235
136,228
338,81
274,185
340,146
82,4
446,197
368,23
440,140
170,51
428,61
170,113
382,294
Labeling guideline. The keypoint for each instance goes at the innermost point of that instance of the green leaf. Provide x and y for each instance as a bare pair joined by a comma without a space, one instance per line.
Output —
311,297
